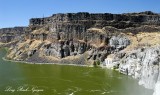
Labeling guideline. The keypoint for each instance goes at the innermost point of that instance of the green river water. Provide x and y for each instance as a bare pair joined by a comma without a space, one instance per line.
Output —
48,79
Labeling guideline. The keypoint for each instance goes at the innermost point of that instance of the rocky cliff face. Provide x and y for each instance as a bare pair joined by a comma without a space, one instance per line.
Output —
11,34
71,34
140,59
142,64
100,20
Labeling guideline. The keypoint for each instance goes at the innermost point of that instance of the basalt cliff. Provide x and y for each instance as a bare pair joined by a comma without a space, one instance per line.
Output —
129,42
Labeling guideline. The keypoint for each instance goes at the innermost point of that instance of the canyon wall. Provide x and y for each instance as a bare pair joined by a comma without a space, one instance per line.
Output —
71,34
101,19
11,34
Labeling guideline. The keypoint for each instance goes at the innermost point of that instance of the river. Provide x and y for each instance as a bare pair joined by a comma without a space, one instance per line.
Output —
49,79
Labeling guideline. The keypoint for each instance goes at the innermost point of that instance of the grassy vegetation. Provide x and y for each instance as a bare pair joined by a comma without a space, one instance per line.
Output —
143,39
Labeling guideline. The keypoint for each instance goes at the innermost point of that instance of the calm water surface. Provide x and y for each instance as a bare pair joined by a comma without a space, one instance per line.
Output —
27,79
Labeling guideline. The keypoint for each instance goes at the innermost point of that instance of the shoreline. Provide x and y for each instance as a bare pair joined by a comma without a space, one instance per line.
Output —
24,62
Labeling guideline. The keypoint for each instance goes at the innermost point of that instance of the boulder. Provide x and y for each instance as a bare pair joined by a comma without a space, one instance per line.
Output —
119,42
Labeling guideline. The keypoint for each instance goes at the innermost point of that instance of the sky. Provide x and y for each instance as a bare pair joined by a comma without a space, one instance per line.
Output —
18,12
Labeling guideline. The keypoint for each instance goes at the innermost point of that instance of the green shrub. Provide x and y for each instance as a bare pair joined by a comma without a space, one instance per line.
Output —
96,63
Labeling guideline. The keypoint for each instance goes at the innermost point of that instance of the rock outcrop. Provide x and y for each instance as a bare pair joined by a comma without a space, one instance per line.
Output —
11,34
99,20
142,64
119,42
157,86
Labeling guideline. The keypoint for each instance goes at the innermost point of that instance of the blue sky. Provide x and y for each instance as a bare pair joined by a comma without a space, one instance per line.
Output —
18,12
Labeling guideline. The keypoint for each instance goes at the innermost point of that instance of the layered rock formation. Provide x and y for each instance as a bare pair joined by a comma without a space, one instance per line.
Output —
71,34
11,34
99,20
